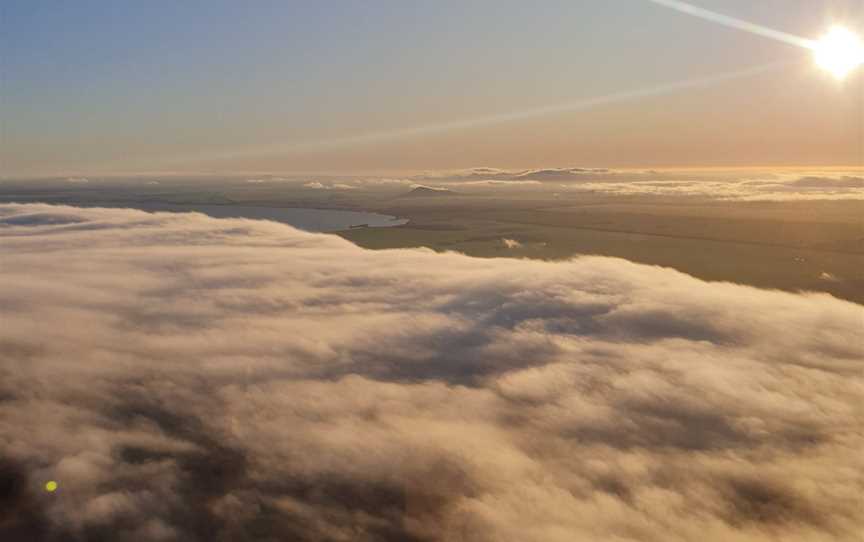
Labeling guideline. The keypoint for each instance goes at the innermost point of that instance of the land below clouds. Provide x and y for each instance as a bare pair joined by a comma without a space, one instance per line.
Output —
792,245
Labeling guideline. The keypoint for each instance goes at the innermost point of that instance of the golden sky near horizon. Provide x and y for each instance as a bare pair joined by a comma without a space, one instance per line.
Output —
304,87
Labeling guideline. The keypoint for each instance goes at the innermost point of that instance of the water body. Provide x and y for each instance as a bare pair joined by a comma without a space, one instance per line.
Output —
315,220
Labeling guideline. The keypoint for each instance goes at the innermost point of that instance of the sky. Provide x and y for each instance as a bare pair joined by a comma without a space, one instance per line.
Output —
94,87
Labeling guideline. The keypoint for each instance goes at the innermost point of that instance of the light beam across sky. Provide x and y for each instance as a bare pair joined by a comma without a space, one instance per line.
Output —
431,129
733,22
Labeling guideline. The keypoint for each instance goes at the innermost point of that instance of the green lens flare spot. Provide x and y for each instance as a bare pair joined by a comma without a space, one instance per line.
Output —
51,486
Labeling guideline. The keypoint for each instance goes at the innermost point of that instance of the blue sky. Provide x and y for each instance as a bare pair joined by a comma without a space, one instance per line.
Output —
93,86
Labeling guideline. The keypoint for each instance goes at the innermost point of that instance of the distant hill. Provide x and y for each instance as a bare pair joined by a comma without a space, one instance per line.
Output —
424,191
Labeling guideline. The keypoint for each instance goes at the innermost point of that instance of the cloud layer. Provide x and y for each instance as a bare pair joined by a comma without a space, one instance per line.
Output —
189,378
718,185
775,188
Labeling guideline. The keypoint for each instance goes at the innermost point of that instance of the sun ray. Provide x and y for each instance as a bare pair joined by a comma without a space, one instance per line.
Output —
431,129
838,52
733,22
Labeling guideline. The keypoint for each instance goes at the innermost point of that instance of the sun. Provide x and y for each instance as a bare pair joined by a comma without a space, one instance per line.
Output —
839,51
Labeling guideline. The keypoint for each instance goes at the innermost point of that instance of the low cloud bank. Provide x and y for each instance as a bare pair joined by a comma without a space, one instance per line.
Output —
778,188
190,378
545,174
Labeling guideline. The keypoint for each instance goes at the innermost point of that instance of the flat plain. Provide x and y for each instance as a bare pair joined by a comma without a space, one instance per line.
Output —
813,245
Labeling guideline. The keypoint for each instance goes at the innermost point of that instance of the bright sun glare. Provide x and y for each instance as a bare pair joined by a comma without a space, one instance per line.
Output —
840,51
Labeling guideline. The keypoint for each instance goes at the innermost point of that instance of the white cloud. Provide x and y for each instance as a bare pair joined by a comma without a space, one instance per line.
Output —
188,378
335,186
488,173
429,187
